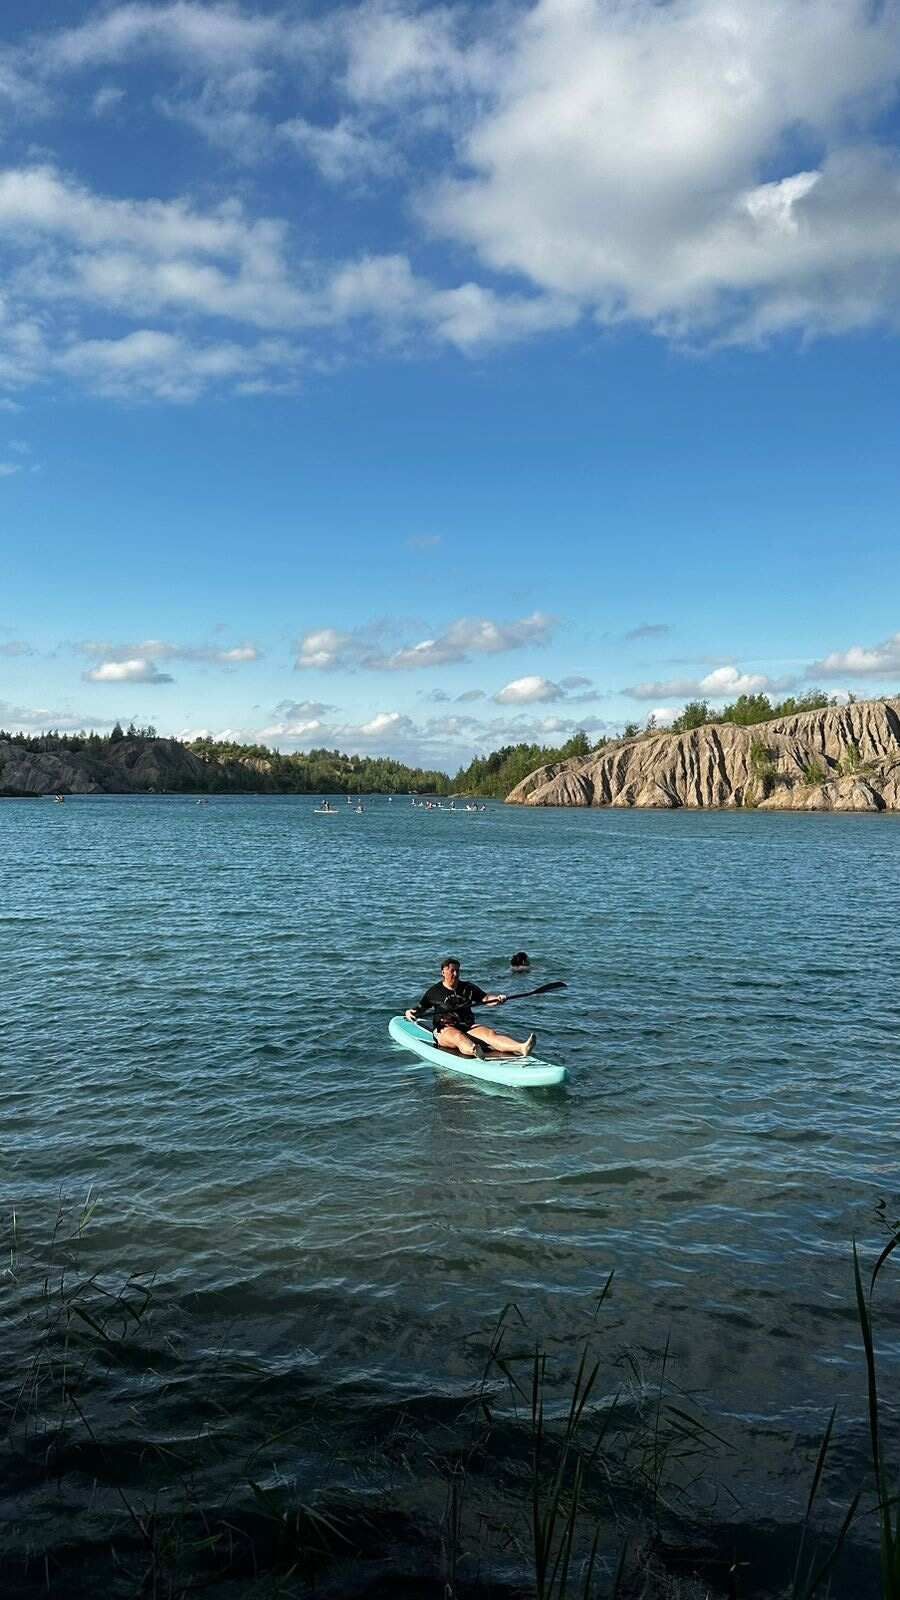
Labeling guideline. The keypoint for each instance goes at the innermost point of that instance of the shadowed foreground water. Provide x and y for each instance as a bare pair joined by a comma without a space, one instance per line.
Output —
193,1035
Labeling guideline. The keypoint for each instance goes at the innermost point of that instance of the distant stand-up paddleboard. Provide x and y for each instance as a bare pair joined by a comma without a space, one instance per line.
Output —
522,1072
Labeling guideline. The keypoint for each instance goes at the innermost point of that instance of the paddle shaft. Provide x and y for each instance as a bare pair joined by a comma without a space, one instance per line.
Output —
522,994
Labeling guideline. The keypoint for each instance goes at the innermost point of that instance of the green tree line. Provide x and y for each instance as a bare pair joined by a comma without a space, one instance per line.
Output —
749,709
230,766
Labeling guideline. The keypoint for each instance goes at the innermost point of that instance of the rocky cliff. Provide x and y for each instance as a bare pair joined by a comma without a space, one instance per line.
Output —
131,766
844,758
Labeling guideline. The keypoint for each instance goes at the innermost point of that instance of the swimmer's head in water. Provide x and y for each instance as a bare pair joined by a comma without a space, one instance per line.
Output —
520,959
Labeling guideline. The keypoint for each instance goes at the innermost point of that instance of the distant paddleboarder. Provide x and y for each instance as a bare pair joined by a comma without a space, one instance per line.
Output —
453,1020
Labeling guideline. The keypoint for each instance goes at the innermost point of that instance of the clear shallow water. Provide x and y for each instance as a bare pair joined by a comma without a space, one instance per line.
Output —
194,1026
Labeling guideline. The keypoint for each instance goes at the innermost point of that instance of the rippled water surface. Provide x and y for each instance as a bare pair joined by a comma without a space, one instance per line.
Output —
193,1027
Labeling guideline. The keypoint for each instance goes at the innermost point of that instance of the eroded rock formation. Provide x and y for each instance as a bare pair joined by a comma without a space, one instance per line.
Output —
843,758
131,766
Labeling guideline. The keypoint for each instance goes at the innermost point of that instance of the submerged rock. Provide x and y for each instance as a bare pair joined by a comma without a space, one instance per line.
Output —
840,758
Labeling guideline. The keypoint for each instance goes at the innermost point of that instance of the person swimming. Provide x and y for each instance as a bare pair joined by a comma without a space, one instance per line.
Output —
520,962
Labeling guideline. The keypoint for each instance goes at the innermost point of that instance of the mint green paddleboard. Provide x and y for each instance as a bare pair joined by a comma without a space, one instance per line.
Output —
522,1072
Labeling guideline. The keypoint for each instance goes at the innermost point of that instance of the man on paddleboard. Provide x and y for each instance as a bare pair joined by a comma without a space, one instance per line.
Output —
453,1020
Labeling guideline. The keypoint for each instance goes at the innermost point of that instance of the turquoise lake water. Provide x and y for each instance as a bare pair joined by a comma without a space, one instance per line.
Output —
193,1046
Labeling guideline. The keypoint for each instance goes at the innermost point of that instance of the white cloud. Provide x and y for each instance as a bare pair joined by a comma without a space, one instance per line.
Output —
448,740
618,161
224,110
146,256
71,253
16,647
396,54
296,720
729,680
162,650
232,658
293,729
627,161
469,637
385,722
662,688
8,469
662,716
138,662
386,288
861,661
137,670
26,719
344,152
722,681
211,35
528,691
107,100
326,649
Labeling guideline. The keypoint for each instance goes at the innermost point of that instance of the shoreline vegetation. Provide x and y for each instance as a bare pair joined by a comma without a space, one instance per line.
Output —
806,752
143,1457
137,760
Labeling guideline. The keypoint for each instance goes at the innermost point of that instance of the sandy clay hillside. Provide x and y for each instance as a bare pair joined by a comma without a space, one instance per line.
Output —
133,766
844,758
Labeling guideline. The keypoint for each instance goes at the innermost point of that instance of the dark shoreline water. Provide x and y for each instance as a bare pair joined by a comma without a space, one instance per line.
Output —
196,1027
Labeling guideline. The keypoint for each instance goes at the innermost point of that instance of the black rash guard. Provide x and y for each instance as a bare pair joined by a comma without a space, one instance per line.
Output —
451,1007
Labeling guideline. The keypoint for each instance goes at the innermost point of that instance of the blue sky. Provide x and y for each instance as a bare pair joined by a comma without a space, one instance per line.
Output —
420,378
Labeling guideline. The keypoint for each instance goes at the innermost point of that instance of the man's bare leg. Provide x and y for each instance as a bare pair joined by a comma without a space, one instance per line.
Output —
502,1043
455,1039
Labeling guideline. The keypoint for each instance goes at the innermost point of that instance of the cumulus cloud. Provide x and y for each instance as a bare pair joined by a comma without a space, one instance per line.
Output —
470,636
294,730
326,649
139,663
710,172
528,691
448,739
296,710
28,719
385,722
722,681
637,158
70,253
662,716
860,661
137,670
533,689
